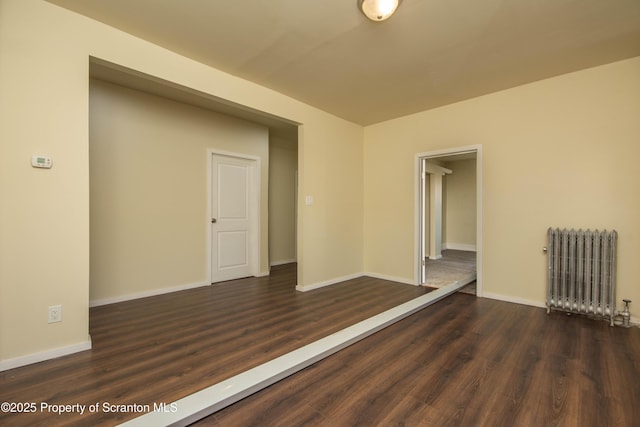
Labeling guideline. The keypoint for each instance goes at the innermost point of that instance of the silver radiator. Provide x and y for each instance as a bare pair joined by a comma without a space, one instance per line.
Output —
581,272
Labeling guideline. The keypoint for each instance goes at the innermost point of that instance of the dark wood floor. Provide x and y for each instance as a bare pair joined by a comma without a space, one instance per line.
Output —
160,349
464,361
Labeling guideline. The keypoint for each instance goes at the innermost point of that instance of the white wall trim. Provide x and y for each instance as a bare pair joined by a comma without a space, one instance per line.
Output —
45,355
328,282
218,396
282,262
391,278
144,294
516,300
439,170
459,247
635,321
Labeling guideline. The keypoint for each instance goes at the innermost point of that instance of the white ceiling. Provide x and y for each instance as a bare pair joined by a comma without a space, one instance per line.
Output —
431,53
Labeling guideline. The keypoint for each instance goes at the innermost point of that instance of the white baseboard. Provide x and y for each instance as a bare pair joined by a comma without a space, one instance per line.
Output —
435,256
391,278
282,262
44,355
459,246
327,282
263,273
635,321
516,300
144,294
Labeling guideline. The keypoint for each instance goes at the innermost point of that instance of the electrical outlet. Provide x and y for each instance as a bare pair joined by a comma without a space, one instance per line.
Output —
55,313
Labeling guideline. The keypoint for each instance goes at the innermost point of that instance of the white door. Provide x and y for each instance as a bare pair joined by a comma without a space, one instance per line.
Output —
233,218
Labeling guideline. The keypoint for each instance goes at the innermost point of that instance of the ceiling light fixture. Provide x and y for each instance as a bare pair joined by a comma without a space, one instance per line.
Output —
378,10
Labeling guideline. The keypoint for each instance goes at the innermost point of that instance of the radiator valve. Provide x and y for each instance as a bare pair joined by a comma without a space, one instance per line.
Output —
626,314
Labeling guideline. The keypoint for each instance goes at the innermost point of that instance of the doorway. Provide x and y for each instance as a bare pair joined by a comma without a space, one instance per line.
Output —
234,216
448,213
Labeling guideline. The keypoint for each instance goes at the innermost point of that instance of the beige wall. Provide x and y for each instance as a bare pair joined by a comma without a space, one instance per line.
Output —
331,172
148,174
283,164
460,205
44,214
560,152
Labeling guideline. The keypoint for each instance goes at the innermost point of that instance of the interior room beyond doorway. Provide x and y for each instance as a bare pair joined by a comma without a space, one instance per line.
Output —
449,219
455,266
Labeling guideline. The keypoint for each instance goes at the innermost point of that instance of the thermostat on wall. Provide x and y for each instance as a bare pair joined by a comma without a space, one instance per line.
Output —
41,162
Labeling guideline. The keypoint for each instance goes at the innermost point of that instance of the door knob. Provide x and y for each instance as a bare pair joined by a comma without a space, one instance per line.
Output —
213,220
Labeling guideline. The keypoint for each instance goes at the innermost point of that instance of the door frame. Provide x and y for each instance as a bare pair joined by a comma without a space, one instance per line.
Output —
254,236
419,220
